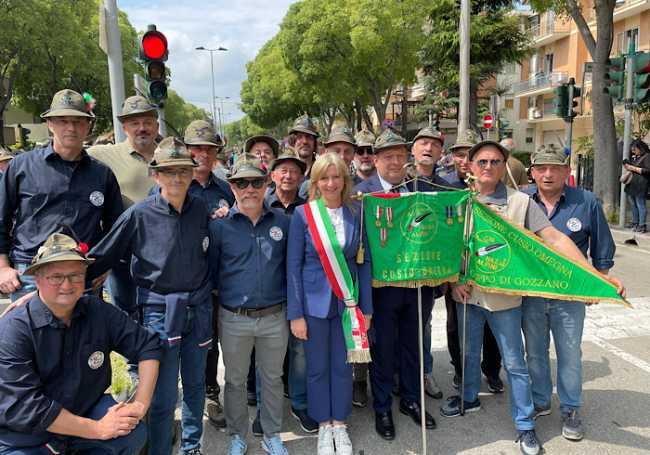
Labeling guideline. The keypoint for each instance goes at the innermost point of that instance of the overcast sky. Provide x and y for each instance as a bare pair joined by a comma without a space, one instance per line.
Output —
241,26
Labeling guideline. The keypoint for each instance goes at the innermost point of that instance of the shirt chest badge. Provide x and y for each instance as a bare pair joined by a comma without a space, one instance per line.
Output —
276,233
206,243
97,198
574,224
96,360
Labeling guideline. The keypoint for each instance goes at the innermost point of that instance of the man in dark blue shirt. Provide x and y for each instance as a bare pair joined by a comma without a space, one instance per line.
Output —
166,236
248,263
577,214
54,186
204,144
55,364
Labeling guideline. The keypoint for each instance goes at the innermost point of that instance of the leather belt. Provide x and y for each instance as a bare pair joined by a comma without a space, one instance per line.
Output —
255,312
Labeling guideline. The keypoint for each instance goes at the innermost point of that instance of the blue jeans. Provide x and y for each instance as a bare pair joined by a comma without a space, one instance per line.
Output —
638,208
125,445
297,373
565,321
191,359
28,282
506,327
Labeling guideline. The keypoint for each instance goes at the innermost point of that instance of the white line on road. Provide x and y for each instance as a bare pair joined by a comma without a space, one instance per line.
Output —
637,362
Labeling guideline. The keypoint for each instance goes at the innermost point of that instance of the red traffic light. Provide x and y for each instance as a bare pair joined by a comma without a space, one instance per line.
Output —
154,45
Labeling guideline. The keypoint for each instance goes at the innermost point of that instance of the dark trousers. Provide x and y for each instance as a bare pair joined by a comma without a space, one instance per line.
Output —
491,363
213,354
396,311
329,375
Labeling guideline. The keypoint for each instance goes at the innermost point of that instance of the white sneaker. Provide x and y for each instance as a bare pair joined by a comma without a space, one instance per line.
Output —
342,440
325,440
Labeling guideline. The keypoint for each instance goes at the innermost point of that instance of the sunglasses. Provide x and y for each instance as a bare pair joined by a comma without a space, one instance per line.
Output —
365,151
256,183
493,163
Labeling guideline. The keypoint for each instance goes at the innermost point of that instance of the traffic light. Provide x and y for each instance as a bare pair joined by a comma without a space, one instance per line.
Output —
573,93
561,101
641,78
153,54
614,79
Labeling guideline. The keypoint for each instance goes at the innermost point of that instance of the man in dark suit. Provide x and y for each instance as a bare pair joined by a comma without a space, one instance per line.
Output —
396,309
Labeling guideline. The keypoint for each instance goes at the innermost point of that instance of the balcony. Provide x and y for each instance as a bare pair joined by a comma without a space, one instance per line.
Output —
550,29
540,83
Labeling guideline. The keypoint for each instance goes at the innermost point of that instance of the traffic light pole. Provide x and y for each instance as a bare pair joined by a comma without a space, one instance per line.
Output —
115,66
627,135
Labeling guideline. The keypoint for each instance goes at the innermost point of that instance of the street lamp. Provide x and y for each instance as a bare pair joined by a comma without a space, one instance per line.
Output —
212,51
221,112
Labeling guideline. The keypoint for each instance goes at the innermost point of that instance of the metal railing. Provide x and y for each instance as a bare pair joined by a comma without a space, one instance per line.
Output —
549,26
541,80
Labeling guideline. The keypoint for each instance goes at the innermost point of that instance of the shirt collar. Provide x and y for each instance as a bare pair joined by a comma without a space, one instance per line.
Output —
162,203
271,198
51,154
387,185
537,198
266,211
42,316
499,197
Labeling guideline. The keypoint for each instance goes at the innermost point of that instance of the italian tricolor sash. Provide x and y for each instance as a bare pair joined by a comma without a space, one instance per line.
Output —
340,279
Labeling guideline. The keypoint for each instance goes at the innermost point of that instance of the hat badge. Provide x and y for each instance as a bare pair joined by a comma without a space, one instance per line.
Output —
66,100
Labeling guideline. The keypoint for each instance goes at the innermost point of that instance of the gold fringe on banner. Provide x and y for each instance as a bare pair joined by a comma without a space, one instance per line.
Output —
548,295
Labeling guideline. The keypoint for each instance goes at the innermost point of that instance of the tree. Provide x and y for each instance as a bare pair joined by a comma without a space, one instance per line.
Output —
48,45
179,113
496,39
606,170
335,57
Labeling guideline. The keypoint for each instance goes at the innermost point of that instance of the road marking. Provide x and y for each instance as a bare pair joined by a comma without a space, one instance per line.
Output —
637,362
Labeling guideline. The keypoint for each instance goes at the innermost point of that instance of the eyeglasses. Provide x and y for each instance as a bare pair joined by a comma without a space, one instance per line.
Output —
185,172
73,278
365,151
493,163
256,183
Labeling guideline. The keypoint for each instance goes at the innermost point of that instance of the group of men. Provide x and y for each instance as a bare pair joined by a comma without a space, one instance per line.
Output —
142,211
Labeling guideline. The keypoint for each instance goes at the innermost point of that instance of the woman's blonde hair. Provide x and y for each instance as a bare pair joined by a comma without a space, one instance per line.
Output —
318,170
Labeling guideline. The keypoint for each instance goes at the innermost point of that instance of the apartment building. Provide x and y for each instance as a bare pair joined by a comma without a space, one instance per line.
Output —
560,53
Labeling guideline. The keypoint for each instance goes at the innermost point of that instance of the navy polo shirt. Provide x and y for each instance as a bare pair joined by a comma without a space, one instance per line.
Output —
215,194
452,179
40,191
46,366
272,201
248,262
579,215
168,249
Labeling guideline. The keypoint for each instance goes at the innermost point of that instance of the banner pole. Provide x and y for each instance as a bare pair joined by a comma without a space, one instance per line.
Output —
468,227
423,409
422,403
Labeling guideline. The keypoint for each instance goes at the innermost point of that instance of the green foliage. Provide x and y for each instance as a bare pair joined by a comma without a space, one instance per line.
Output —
585,145
120,379
496,39
180,113
47,45
335,56
238,131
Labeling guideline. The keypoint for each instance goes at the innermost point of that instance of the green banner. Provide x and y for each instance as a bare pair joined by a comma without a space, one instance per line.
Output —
506,259
415,239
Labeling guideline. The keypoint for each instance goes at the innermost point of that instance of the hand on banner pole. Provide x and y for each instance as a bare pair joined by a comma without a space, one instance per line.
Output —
368,320
299,328
461,292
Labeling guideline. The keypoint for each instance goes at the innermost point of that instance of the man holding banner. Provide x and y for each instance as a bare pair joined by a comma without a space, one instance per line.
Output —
577,214
395,308
502,311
